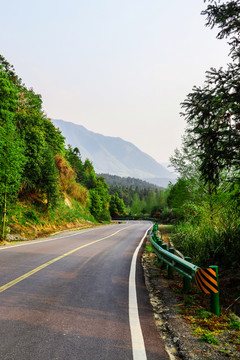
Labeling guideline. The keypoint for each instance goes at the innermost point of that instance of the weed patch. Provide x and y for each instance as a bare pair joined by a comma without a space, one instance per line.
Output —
148,248
209,338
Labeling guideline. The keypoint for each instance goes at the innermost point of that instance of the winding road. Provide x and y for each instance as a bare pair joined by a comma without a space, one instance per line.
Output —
78,295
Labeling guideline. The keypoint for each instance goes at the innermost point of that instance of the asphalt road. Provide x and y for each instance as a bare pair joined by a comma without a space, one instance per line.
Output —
72,296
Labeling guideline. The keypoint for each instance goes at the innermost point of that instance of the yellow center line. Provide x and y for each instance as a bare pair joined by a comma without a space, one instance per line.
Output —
34,271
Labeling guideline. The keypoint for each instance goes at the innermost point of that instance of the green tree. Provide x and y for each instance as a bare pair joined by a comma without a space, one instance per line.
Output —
179,194
11,168
90,176
39,134
53,136
213,111
49,178
11,149
74,158
136,206
150,202
100,200
213,115
96,203
116,206
225,15
40,140
209,162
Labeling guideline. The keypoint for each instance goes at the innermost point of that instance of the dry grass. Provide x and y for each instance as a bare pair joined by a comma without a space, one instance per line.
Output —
68,184
30,231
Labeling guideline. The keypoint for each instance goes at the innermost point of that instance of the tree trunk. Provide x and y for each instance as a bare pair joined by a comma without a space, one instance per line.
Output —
4,214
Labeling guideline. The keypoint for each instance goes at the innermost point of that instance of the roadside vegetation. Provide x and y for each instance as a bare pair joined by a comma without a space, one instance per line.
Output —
205,200
203,205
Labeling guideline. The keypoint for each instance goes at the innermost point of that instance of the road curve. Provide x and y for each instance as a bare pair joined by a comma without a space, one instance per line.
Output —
69,297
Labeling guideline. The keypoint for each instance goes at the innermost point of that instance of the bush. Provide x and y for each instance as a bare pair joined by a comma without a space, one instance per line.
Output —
31,216
209,240
208,245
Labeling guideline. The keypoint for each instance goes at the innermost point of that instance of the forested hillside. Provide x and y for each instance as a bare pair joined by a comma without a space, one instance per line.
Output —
44,184
114,180
140,198
41,181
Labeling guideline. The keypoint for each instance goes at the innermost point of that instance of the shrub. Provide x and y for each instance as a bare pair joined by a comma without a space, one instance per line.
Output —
31,216
207,239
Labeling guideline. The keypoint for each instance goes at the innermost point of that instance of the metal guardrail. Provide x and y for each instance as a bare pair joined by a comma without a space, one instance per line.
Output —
183,266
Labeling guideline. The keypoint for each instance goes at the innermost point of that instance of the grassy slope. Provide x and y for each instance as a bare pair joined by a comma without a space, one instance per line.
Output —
31,220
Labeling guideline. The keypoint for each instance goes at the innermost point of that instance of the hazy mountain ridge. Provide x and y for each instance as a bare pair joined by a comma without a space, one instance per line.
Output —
113,155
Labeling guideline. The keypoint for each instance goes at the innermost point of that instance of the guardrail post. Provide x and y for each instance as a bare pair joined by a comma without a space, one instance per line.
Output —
155,228
170,268
215,305
189,271
164,265
186,280
159,241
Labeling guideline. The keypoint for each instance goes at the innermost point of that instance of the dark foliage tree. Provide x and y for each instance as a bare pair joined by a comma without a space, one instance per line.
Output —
100,200
49,178
38,135
74,158
213,111
11,148
90,180
179,193
212,144
116,206
225,16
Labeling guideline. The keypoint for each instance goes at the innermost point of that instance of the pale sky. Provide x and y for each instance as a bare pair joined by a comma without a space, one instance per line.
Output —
118,67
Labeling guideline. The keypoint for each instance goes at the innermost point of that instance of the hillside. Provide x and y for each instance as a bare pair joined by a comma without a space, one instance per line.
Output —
44,186
113,155
114,180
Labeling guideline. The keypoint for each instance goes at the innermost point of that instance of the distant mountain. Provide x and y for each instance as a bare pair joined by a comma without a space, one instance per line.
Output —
113,155
114,180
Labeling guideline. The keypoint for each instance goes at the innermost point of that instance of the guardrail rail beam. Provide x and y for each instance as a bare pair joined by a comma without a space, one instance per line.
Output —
184,267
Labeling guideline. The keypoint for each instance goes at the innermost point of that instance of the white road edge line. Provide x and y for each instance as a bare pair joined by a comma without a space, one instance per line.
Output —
31,242
138,347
